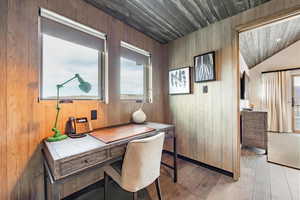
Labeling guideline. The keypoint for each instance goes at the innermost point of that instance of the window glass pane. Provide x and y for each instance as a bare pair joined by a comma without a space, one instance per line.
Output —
132,77
61,61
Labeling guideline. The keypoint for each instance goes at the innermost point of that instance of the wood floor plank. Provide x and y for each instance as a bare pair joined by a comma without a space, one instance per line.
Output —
207,184
293,180
259,180
279,187
262,184
227,188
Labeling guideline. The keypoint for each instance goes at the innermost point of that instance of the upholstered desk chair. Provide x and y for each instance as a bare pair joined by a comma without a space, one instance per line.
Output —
140,168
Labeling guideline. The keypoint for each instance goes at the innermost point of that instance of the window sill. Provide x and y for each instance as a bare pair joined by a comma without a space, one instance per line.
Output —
134,101
65,101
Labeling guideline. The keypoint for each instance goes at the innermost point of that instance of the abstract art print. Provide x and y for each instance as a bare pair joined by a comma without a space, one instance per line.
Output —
180,81
205,67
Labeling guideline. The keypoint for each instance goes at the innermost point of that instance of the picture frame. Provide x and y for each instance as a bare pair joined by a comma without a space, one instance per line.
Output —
205,67
180,81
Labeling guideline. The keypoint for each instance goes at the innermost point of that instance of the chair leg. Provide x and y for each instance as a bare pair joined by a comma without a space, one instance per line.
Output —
106,179
135,195
157,184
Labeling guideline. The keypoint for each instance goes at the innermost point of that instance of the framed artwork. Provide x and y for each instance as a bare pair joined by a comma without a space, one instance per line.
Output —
205,69
180,81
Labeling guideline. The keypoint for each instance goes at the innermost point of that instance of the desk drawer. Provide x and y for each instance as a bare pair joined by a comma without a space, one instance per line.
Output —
117,151
80,163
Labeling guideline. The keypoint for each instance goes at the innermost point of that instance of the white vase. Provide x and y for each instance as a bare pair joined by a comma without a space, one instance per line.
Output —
139,116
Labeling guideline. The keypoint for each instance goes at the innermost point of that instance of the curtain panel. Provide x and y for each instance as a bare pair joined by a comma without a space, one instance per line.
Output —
276,100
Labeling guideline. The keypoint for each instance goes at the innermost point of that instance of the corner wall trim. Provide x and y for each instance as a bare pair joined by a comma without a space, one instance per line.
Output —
201,164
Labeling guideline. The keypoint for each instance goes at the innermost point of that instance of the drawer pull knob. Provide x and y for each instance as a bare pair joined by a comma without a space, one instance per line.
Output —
86,161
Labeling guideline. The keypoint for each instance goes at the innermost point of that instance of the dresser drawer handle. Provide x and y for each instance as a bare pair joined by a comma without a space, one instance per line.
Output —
86,161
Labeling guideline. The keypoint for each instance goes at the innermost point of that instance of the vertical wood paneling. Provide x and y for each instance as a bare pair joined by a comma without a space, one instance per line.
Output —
207,124
3,67
35,172
17,113
25,122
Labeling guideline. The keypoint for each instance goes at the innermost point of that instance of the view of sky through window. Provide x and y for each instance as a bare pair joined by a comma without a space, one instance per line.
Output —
61,61
132,77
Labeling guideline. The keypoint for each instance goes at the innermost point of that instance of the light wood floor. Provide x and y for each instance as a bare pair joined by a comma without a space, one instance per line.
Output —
259,180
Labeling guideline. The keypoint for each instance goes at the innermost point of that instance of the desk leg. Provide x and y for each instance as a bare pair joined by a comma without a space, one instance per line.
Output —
175,158
45,183
55,192
51,187
52,191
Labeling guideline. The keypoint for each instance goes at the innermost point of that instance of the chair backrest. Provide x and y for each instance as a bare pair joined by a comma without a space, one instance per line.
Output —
141,165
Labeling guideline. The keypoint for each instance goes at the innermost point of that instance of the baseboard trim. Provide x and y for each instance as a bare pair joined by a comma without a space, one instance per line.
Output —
201,164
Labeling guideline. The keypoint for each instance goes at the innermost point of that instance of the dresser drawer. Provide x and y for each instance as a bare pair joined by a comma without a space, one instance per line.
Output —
254,116
254,134
254,127
70,166
255,124
255,143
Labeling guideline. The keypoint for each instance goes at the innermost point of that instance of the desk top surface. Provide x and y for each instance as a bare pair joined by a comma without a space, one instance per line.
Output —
113,134
70,147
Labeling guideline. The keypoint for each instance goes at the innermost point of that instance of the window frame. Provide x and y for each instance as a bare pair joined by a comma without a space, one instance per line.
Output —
102,55
147,96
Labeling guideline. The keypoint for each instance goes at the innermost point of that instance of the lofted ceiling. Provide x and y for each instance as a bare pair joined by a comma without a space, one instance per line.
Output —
261,43
166,20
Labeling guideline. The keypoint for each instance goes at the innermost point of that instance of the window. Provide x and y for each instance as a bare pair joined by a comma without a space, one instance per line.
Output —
69,48
135,74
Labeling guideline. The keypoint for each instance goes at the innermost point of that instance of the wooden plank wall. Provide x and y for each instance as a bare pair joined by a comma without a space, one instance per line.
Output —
207,124
25,121
3,135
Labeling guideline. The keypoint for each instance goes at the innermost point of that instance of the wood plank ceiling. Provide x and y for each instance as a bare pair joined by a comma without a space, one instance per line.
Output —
167,20
261,43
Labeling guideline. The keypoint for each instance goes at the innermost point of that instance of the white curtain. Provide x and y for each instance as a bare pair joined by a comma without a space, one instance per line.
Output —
276,100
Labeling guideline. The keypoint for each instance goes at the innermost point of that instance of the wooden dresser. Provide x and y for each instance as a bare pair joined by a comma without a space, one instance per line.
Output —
254,129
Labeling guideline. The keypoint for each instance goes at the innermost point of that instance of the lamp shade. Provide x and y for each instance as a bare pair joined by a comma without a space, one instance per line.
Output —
83,85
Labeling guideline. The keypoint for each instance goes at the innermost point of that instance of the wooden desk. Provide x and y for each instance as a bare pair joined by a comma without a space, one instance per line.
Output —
73,164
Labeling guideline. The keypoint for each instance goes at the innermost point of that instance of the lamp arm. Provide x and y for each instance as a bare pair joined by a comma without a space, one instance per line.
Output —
57,107
64,83
86,88
57,99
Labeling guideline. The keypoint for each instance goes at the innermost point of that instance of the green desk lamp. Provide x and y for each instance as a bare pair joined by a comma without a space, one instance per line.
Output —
83,86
